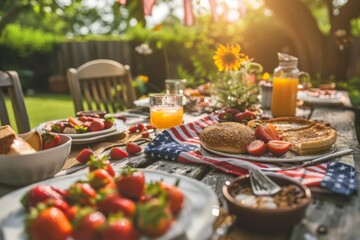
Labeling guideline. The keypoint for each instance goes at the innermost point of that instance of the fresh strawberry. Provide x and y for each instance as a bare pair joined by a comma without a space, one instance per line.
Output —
58,127
39,194
122,117
85,155
175,197
145,133
97,125
266,132
48,223
120,229
278,147
133,129
85,119
81,193
273,131
116,153
88,224
72,212
140,126
131,183
245,116
154,217
256,148
232,111
100,178
58,203
133,148
113,203
109,122
150,126
50,140
101,163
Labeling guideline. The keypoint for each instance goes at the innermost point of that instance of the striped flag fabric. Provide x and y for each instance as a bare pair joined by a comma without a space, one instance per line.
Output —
148,6
182,144
213,10
189,18
122,2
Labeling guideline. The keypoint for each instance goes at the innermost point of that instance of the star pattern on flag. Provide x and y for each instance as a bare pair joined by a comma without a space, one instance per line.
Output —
340,178
165,147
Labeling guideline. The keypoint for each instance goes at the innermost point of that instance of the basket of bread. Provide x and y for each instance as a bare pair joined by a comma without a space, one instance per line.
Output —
31,157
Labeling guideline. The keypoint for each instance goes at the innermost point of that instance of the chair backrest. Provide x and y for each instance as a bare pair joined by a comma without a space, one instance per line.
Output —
103,84
10,83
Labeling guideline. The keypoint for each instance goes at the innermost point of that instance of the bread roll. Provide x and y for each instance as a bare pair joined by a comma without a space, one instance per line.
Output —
20,147
230,137
7,136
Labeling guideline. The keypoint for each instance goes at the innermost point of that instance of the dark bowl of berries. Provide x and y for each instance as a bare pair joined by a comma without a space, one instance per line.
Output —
235,115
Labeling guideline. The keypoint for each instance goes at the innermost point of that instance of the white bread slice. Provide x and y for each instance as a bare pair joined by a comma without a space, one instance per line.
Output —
7,136
20,147
34,139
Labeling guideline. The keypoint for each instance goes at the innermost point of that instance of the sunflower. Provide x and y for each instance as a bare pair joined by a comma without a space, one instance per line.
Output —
229,58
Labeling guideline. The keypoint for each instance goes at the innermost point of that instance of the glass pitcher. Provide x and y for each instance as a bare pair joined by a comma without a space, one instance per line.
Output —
285,86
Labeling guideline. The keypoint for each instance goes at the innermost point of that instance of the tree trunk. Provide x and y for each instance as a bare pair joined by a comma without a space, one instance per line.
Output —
318,53
336,60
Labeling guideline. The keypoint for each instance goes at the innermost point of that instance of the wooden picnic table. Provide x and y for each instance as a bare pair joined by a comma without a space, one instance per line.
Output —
329,216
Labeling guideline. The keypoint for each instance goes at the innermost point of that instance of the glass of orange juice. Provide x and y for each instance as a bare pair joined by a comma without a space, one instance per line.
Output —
166,110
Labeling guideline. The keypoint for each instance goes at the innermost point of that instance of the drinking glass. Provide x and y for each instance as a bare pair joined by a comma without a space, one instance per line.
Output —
175,86
166,110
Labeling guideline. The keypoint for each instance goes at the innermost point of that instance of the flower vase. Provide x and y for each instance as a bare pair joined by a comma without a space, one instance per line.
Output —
234,89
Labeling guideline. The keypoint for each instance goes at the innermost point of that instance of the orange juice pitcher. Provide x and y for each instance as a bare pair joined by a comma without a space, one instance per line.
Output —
285,86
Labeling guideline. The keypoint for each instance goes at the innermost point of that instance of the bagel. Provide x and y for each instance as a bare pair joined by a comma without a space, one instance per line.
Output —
230,137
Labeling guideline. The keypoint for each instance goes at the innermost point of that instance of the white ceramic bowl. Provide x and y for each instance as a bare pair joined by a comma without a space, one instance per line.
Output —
21,170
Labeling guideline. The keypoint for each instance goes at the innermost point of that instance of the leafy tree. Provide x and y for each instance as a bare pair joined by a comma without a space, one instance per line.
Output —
323,51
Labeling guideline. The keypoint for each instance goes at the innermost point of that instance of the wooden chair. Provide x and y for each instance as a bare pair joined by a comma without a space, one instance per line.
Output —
10,84
103,84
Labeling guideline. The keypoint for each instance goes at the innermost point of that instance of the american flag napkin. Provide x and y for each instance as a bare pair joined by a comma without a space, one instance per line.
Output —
182,144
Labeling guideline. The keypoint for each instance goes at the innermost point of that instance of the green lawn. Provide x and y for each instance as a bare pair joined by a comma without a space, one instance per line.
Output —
45,107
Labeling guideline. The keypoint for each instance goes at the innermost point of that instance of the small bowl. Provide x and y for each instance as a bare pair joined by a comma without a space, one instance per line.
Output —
91,113
263,219
21,170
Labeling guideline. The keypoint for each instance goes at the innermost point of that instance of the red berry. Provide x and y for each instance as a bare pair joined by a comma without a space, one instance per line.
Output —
145,133
122,117
117,153
84,155
140,126
97,125
150,126
133,148
132,129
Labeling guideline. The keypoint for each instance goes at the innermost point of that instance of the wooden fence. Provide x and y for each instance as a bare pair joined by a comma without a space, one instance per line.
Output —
73,54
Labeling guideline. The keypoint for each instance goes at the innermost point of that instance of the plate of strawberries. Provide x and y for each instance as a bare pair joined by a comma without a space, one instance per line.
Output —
80,127
110,203
84,129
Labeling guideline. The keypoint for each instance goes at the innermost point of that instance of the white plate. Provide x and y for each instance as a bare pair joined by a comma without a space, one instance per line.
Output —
120,127
288,157
41,126
143,102
196,219
337,98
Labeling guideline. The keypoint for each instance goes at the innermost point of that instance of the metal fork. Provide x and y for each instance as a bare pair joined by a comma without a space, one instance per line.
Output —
261,184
